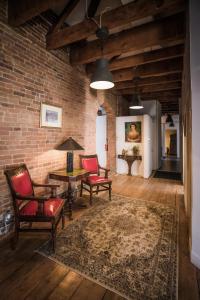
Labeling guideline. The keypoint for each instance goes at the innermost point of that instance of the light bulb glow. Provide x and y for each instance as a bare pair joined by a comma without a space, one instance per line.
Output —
136,107
102,85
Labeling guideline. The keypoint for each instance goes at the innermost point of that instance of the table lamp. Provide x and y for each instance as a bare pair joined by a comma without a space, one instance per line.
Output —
69,145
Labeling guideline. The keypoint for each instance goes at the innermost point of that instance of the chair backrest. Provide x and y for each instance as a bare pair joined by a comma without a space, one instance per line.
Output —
90,163
19,182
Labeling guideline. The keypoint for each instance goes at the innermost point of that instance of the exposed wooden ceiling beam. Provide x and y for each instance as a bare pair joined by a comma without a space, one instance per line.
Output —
140,59
152,69
153,88
63,16
93,8
161,94
20,11
116,18
164,33
150,81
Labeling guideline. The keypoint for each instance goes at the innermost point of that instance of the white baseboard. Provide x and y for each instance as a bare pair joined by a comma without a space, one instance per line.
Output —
195,259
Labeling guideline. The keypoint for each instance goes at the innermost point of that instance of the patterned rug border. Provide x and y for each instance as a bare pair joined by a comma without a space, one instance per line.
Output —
103,285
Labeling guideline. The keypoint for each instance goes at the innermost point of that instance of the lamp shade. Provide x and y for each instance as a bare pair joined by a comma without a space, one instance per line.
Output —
136,102
169,119
102,78
69,145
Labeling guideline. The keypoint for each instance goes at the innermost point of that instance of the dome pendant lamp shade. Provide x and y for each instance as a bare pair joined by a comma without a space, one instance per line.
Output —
136,102
102,78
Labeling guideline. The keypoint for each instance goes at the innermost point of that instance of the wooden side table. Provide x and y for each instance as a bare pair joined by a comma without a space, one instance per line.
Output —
63,175
129,159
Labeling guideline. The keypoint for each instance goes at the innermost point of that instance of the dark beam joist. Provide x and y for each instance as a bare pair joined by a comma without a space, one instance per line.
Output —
153,88
116,18
149,81
93,8
162,33
161,94
143,58
154,69
20,11
63,16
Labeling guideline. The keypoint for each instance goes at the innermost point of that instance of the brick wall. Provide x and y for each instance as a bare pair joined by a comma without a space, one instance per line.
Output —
30,75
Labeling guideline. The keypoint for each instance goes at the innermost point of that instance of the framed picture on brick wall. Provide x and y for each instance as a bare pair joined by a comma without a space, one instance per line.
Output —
50,116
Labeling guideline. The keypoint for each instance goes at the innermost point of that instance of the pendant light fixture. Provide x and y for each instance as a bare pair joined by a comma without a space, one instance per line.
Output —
102,78
135,102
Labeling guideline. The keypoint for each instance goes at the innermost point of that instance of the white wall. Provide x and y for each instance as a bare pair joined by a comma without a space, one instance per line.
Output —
147,142
101,136
195,93
153,109
142,168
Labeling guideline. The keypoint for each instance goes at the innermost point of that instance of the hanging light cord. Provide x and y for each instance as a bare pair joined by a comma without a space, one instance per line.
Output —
99,25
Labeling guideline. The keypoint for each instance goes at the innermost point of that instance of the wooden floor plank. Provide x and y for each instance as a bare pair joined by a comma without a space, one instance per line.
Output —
25,279
45,287
67,287
27,275
89,290
112,296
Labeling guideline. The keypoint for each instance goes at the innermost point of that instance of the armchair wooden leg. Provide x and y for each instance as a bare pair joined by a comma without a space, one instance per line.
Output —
91,192
14,239
81,192
30,224
97,190
53,235
110,189
63,219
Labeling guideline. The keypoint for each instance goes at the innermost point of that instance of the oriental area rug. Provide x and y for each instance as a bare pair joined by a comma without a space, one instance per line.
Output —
126,245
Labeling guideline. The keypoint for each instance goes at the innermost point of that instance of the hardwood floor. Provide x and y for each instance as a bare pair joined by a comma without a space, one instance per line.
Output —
25,274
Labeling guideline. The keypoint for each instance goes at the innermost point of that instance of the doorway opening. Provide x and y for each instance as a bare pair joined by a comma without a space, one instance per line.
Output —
170,161
171,143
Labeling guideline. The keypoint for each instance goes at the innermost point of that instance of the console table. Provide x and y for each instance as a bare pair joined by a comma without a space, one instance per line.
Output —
129,159
63,175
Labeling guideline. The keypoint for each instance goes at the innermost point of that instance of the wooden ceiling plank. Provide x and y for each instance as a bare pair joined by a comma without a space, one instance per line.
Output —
63,16
93,8
167,67
20,11
154,88
141,59
115,18
157,87
162,33
160,94
149,81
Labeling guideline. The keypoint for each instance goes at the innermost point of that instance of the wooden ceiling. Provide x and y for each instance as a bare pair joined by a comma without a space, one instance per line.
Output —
146,40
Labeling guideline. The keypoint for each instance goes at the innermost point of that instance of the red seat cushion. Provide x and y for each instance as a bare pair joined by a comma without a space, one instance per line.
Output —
22,184
51,207
96,179
90,164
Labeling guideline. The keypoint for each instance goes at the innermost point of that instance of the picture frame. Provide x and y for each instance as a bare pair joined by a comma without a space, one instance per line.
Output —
133,132
50,116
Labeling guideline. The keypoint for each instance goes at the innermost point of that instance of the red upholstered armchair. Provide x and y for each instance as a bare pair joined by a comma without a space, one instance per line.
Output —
90,163
30,208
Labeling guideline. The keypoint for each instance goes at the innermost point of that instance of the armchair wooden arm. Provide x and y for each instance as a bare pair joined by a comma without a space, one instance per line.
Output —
106,171
40,199
32,198
53,187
